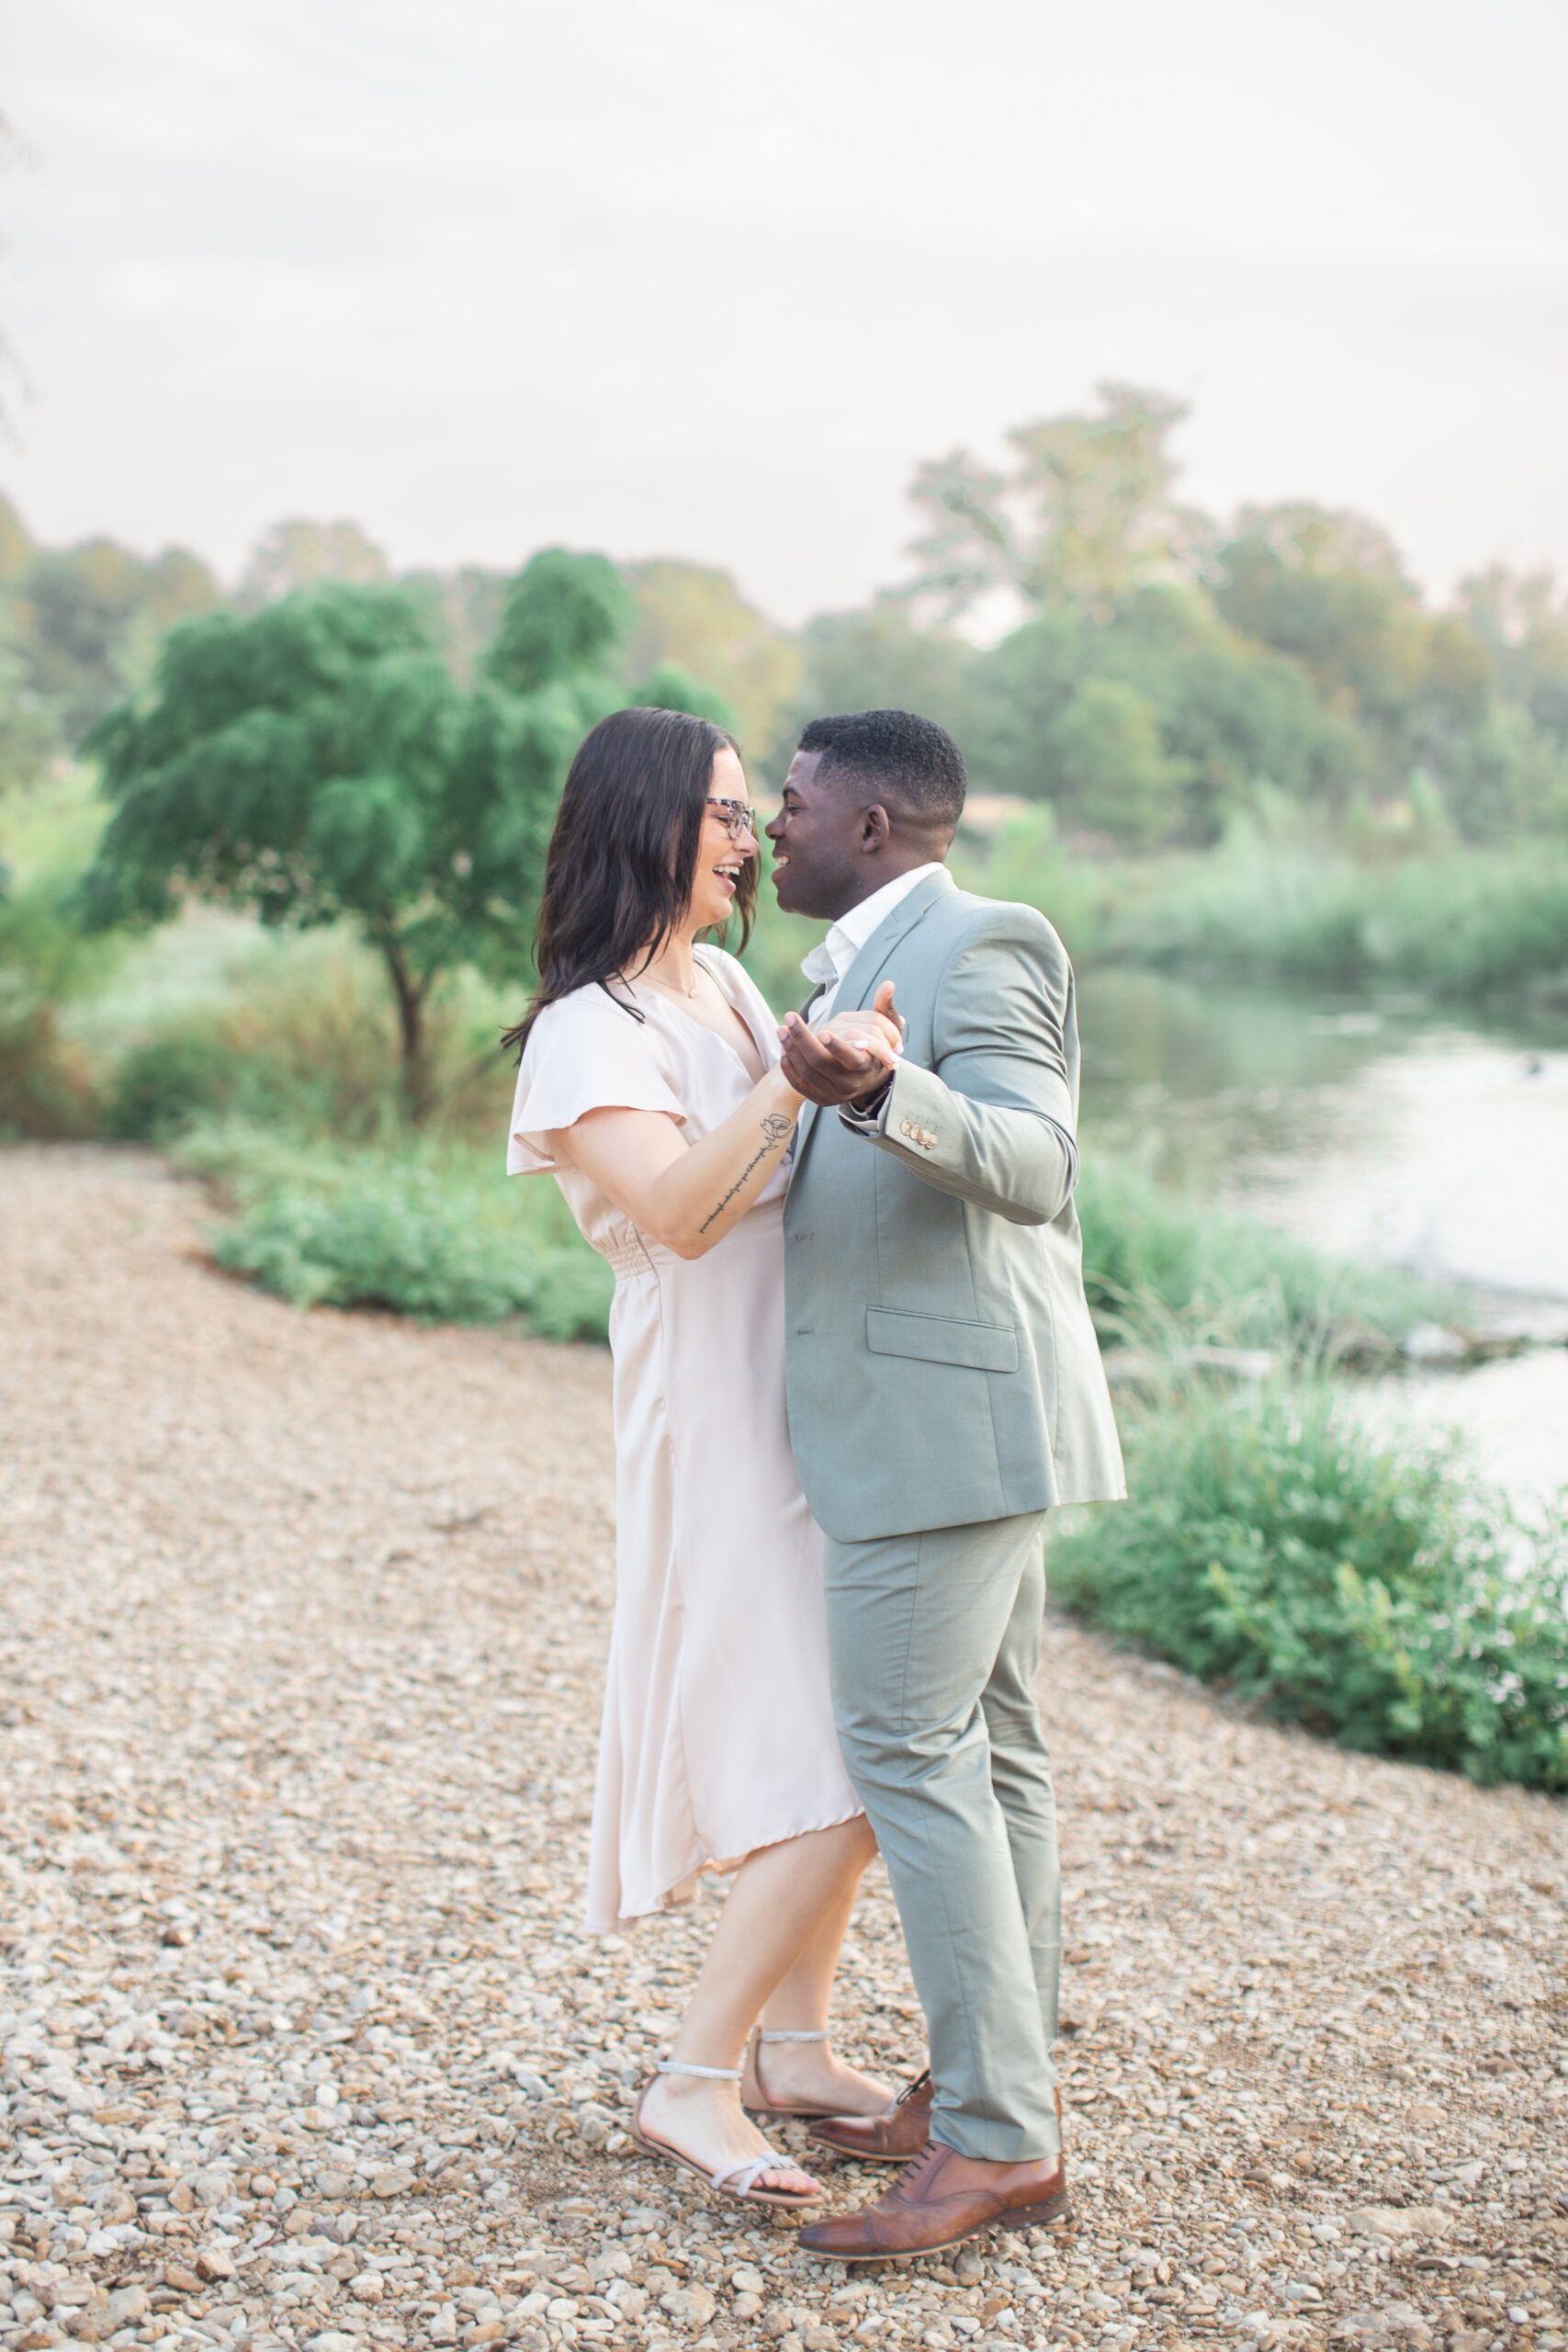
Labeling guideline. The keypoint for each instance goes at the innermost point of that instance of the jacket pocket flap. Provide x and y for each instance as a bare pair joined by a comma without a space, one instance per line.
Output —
941,1338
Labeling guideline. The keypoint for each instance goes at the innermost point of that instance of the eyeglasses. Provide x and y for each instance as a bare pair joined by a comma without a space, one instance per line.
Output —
739,817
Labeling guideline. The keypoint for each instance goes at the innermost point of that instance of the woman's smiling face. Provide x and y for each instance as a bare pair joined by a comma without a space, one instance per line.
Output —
719,857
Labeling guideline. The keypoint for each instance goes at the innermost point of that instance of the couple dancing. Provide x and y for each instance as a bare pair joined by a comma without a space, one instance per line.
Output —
854,1368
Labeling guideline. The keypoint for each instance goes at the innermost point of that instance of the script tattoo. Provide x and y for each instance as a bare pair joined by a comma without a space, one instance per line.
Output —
775,1130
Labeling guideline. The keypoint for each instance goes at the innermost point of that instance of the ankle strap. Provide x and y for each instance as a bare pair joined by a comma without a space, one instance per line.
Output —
766,2033
709,2073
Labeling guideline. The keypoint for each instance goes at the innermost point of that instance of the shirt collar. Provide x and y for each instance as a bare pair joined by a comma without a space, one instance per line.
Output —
831,960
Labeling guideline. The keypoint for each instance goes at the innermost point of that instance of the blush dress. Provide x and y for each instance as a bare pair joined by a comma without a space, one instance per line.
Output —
718,1734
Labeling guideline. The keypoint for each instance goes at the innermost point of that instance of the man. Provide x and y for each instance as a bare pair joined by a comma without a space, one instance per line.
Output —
945,1390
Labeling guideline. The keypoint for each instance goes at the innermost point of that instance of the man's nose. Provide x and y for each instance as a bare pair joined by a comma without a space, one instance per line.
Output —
774,827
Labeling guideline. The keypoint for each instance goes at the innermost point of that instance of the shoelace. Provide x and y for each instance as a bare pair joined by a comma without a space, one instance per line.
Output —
921,2164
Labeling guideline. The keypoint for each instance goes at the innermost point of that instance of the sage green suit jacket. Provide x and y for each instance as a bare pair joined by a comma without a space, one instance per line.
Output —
941,1361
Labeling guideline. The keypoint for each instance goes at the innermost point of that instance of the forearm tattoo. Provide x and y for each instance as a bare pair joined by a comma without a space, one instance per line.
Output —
775,1131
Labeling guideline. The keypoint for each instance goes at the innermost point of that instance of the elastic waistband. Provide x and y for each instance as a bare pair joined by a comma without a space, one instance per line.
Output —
629,1257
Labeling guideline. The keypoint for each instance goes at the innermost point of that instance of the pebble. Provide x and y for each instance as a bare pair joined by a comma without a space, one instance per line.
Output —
302,1620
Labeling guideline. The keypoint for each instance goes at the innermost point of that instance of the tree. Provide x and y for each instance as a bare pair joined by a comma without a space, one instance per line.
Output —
697,619
1523,631
1085,514
1230,715
565,617
87,618
317,760
299,554
1328,589
875,660
1113,770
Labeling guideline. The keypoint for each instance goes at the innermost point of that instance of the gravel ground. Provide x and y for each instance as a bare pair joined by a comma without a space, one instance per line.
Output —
302,2044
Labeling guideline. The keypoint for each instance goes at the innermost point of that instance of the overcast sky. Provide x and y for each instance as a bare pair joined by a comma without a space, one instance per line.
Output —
707,278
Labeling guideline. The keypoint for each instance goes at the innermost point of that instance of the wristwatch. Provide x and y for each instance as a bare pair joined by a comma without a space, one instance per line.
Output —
866,1113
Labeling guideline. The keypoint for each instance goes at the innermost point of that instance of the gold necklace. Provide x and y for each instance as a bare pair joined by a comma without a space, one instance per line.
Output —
670,986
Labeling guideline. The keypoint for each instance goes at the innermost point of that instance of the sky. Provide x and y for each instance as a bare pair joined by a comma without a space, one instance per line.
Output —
709,277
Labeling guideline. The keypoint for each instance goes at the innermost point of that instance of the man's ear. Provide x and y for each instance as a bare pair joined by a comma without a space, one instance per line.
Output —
876,827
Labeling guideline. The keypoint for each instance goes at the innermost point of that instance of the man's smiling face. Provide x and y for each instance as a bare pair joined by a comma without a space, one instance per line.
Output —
818,835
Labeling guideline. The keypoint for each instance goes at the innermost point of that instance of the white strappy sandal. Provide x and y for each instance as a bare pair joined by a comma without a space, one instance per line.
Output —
754,2097
736,2181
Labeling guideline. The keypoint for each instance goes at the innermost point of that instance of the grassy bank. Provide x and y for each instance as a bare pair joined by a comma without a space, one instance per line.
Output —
430,1228
1374,1592
1162,1270
427,1229
1452,921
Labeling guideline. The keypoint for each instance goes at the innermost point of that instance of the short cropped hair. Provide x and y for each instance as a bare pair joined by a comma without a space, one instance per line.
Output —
913,761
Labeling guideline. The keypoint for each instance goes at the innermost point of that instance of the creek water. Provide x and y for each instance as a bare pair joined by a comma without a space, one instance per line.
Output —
1379,1129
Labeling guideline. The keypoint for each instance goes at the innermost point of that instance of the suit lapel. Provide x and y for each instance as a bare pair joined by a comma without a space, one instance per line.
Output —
860,979
859,982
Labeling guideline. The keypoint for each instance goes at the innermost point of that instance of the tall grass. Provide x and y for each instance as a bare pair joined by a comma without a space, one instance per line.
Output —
1440,916
1160,1268
48,1080
1369,1590
1459,921
294,1032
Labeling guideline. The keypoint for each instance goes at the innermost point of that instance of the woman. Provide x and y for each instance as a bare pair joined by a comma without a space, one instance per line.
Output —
650,1086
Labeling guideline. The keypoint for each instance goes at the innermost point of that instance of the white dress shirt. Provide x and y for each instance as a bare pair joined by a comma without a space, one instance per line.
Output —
830,963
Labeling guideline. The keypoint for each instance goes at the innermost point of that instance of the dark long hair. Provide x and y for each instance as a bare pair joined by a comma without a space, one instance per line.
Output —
623,857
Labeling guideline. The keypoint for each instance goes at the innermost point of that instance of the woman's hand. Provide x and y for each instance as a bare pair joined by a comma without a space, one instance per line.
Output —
879,1037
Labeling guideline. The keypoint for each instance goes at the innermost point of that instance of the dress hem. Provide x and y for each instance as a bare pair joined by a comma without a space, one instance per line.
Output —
670,1898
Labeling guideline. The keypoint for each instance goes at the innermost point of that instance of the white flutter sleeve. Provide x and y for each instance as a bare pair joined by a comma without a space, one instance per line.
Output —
583,1054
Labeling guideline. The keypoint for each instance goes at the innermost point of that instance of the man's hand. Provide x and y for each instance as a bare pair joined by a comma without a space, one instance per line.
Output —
849,1059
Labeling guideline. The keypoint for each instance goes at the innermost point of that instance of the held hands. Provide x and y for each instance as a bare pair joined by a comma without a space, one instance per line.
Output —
849,1059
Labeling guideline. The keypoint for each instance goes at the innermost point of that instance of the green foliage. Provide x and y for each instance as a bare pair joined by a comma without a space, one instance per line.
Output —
431,1232
1085,514
317,760
1157,722
1112,771
1459,922
1026,860
670,687
85,622
46,1084
299,1038
565,616
1368,1590
876,660
47,1080
1289,650
1328,590
697,618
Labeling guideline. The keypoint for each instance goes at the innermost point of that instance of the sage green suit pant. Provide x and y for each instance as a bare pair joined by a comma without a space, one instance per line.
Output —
933,1645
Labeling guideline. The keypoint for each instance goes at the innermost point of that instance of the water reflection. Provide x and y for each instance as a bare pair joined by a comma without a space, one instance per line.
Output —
1382,1129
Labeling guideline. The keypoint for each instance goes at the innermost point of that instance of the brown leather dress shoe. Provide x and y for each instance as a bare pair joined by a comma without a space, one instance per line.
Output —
942,2198
896,2136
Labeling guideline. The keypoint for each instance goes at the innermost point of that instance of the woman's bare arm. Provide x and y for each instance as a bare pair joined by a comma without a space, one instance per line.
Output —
688,1195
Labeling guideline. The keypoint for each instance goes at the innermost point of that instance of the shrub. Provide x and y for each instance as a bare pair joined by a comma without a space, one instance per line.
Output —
48,1081
293,1035
1369,1591
429,1231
